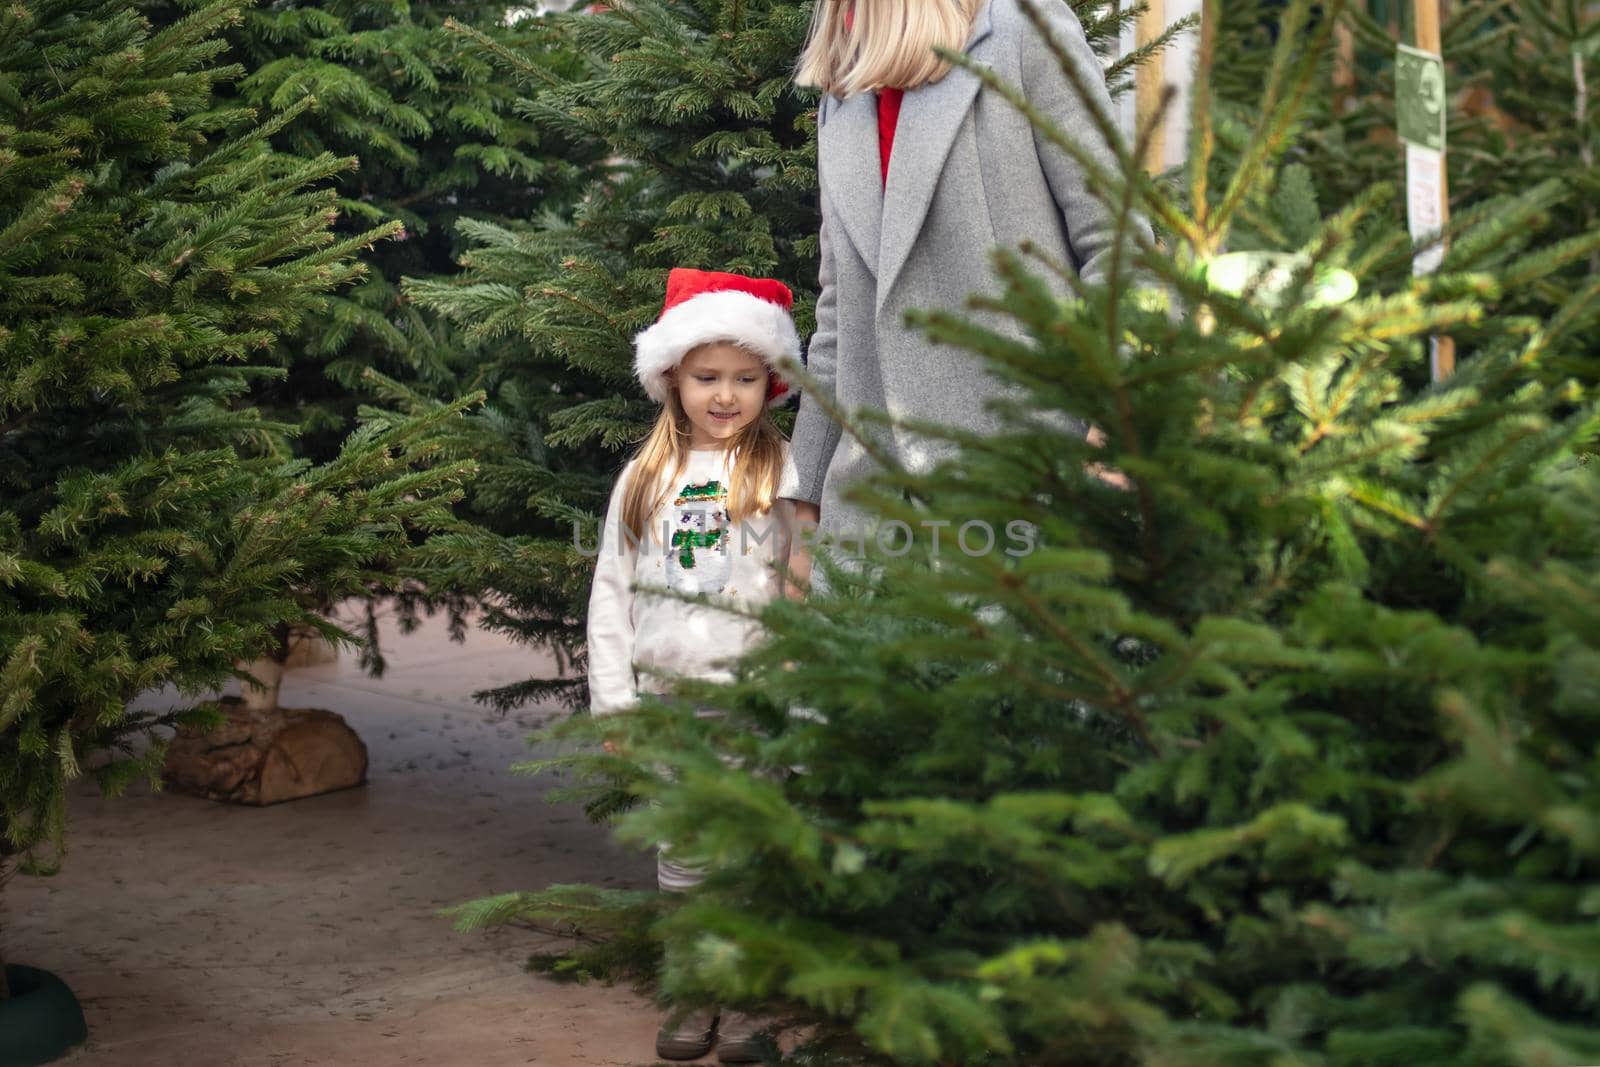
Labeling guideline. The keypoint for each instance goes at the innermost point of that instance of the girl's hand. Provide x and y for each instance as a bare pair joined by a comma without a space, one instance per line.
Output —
1114,478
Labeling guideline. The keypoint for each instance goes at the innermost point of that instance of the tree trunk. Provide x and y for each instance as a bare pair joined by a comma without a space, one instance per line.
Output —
268,670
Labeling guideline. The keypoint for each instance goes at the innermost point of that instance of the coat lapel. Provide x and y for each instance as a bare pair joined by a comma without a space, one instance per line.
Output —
847,156
930,118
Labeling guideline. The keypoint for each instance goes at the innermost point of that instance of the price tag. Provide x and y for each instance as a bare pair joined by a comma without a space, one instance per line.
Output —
1425,207
1419,91
1420,108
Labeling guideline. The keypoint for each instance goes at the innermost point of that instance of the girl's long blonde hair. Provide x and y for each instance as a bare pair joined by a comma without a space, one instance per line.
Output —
757,467
889,44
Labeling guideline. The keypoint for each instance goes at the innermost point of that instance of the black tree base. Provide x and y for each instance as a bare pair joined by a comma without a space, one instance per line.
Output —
40,1021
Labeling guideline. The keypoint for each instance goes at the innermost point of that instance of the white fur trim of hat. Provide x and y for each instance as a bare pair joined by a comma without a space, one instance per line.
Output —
762,327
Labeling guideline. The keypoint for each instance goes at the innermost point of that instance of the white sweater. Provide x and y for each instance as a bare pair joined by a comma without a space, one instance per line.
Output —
631,630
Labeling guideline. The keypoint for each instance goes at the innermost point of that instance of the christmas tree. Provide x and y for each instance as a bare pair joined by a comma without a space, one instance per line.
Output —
154,530
438,140
1268,736
1520,115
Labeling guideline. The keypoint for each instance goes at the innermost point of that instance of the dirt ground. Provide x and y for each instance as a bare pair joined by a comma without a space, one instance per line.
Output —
198,934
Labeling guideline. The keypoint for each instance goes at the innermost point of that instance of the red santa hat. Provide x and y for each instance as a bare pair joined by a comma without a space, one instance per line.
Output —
703,307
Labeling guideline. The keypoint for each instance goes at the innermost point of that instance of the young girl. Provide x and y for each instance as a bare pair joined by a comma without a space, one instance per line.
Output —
923,173
696,511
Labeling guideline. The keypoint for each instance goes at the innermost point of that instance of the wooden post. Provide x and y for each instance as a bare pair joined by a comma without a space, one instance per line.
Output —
1149,81
1426,14
1426,18
1344,67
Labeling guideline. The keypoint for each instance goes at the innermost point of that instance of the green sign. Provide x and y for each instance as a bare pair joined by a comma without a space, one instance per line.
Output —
1419,90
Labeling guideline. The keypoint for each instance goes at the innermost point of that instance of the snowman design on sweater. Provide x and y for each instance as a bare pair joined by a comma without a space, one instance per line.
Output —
698,560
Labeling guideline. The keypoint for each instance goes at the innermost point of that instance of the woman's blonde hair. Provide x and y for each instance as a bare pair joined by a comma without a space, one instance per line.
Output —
756,468
889,43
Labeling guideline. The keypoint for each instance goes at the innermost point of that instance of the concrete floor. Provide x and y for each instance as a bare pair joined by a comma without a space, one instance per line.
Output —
199,934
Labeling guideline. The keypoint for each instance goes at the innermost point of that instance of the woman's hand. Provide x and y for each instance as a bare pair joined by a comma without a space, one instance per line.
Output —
806,517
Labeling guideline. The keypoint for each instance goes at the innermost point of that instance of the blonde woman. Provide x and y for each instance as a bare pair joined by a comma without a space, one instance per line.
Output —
922,174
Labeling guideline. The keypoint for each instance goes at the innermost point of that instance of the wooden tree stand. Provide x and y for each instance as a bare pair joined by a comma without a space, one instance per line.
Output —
267,755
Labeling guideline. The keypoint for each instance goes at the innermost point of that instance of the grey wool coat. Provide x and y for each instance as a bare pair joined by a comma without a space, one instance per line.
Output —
967,174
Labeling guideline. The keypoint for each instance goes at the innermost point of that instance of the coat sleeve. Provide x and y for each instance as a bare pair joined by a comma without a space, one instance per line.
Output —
612,685
1090,224
816,435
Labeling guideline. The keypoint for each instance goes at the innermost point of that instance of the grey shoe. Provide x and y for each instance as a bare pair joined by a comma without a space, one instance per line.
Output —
742,1039
687,1036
